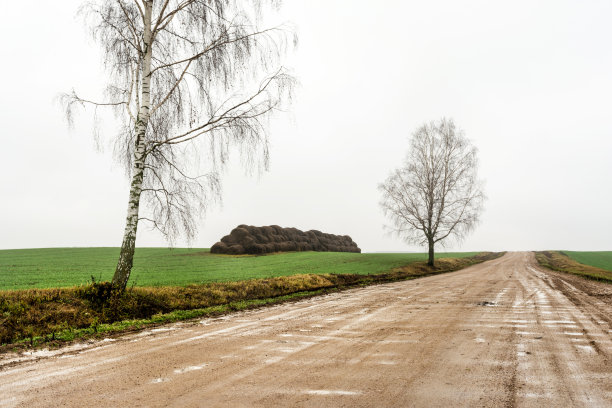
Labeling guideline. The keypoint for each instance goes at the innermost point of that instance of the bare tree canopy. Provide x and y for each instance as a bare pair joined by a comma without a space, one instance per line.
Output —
436,194
189,79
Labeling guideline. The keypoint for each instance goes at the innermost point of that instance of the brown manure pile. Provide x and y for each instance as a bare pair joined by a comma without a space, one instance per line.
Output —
247,239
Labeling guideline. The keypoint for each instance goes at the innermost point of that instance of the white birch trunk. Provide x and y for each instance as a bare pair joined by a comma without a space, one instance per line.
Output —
126,256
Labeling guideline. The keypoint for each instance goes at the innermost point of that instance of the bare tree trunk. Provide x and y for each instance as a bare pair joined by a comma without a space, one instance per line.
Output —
126,256
128,246
430,261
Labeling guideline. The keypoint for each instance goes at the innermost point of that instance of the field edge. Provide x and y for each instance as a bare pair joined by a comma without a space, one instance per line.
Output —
560,262
276,290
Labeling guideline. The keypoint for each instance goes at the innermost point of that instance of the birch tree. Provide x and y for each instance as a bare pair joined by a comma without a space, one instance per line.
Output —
189,80
435,195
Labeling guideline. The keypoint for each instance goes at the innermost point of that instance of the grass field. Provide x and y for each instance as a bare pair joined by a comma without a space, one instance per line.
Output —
601,259
577,264
65,267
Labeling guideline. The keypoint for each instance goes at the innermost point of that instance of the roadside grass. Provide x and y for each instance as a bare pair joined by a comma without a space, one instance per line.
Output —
66,267
560,261
33,317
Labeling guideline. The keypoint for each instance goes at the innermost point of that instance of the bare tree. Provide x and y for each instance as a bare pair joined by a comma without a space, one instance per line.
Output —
435,195
186,85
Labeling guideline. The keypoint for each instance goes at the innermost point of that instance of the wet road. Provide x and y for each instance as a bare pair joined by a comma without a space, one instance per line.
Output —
502,333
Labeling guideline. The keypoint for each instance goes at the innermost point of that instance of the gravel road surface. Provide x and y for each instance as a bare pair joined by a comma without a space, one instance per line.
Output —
500,334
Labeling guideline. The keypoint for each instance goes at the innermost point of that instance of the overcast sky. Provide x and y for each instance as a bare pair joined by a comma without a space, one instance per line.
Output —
530,83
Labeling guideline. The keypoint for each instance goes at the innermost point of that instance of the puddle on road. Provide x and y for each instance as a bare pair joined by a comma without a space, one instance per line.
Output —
273,360
163,329
528,333
331,392
588,349
189,368
559,322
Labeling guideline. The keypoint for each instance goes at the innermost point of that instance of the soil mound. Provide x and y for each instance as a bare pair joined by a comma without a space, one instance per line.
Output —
247,239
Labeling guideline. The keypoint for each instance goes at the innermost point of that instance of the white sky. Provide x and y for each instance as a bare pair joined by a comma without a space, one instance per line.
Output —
529,82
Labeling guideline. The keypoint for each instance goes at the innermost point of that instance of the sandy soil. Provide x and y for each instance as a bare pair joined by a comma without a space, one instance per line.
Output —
502,333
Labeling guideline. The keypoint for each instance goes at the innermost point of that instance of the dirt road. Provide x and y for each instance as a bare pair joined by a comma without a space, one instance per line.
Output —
502,333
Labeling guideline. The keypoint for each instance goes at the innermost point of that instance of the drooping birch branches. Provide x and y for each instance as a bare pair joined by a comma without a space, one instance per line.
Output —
215,78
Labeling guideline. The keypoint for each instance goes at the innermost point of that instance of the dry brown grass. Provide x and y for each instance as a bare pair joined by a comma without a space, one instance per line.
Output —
558,261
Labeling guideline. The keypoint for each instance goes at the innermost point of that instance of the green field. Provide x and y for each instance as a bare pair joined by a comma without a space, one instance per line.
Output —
601,259
64,267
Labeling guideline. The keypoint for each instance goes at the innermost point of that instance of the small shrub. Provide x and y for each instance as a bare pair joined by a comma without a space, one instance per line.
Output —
98,294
